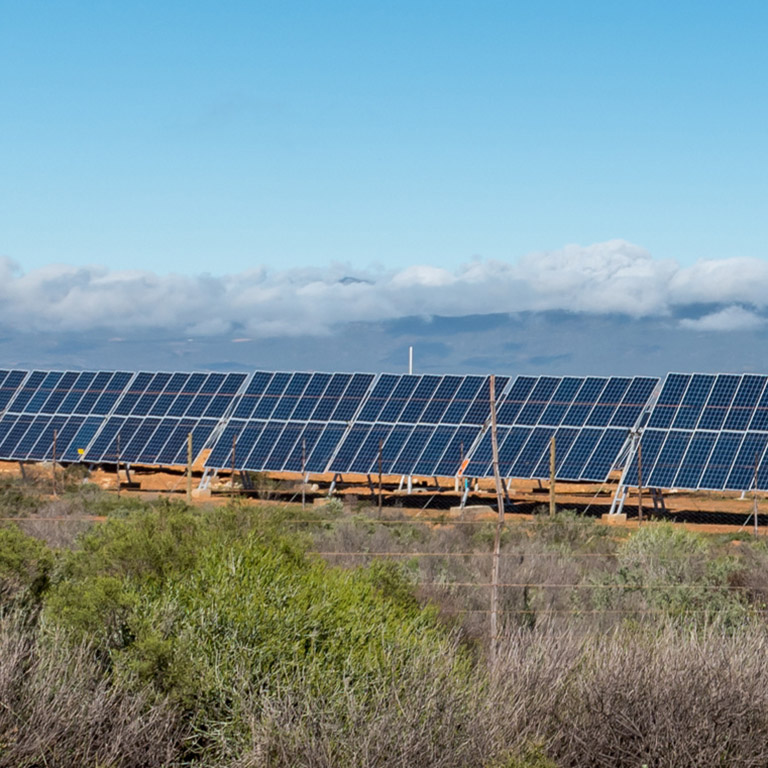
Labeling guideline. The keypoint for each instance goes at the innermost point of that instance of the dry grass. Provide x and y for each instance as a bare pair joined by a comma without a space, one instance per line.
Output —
571,686
671,699
59,709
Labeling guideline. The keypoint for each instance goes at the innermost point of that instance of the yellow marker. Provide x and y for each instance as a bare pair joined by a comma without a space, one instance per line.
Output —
81,451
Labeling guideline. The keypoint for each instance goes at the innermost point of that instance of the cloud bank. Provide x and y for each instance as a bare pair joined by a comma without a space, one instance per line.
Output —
610,278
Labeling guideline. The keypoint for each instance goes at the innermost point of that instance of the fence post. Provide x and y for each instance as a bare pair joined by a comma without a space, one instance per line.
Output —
499,525
381,448
552,505
55,436
189,468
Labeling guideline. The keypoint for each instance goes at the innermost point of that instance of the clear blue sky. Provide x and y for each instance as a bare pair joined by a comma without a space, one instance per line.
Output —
218,136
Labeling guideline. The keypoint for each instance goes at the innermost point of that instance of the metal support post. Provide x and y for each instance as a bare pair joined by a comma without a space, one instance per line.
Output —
234,464
640,481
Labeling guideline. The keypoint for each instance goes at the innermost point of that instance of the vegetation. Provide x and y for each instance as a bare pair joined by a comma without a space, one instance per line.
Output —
251,635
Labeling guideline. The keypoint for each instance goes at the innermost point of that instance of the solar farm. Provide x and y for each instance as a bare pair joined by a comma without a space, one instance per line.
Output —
696,432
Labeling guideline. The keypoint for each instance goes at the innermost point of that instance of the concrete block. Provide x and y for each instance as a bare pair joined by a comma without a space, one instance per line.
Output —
613,519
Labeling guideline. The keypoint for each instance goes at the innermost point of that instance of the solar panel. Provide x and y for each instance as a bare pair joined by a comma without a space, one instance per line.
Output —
425,425
706,431
150,422
284,421
67,405
10,382
589,417
98,416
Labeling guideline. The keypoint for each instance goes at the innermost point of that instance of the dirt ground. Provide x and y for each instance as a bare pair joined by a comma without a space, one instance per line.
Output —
706,511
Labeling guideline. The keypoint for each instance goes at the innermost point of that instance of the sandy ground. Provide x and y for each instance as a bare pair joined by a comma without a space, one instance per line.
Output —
710,511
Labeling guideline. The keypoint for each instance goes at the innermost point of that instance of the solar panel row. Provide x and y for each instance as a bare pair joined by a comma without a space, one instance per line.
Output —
705,431
283,421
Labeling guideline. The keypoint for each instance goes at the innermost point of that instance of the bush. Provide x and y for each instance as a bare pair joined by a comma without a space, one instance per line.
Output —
19,497
668,570
215,616
25,566
59,708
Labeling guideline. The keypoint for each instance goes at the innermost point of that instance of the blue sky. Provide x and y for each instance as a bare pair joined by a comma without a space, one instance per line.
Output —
221,137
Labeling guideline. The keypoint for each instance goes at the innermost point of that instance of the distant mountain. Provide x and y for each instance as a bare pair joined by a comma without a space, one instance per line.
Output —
555,342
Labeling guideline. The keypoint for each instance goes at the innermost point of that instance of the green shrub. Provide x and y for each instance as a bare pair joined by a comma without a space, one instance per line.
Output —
571,531
18,497
25,566
211,613
665,569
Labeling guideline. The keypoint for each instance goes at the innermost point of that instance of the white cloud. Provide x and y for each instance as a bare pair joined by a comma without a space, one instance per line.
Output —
728,319
611,277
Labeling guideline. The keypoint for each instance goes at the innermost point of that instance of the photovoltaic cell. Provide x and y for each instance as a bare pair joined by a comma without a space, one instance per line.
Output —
585,400
441,400
455,451
669,400
308,438
580,453
747,462
466,395
608,402
669,459
634,402
695,459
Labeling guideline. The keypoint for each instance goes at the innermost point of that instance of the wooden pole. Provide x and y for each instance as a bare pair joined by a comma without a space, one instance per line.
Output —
55,436
640,481
381,448
499,525
117,464
755,497
232,477
552,506
189,468
461,465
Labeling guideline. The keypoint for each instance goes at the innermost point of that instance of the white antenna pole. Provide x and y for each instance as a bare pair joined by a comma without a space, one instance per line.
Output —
410,360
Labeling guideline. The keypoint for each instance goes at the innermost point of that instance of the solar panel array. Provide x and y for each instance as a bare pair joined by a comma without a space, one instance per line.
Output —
589,417
706,431
427,425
